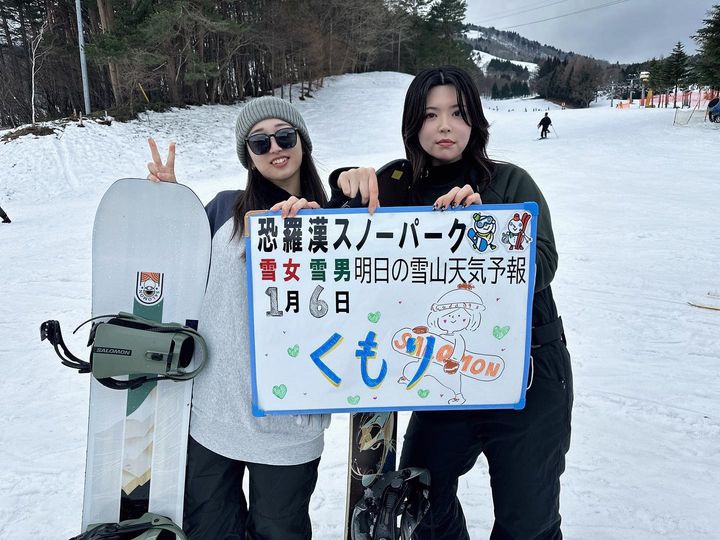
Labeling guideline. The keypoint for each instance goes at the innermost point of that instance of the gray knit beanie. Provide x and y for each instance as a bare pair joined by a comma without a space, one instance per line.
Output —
263,108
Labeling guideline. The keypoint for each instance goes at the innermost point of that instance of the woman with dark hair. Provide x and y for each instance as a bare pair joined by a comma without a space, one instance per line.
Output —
280,453
416,112
445,134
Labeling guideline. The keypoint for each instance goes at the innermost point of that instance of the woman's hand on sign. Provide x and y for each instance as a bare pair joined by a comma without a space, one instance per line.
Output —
464,196
291,206
361,180
159,171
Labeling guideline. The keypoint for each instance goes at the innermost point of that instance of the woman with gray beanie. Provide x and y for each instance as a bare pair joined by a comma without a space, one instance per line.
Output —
280,453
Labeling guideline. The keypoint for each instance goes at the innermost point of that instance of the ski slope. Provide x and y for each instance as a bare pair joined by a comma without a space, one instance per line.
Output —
482,59
634,207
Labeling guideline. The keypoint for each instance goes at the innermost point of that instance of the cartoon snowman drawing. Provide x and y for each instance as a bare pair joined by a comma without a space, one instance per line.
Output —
483,232
515,236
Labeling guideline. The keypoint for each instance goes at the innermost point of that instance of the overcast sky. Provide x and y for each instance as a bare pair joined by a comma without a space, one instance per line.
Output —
618,30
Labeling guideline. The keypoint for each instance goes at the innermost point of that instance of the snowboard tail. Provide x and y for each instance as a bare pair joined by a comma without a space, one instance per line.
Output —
372,453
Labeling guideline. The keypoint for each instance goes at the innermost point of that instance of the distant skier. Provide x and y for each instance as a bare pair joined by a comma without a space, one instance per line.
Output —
4,216
545,123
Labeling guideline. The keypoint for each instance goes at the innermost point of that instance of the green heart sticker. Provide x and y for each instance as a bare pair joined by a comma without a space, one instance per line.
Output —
353,400
280,391
374,317
423,393
500,333
294,350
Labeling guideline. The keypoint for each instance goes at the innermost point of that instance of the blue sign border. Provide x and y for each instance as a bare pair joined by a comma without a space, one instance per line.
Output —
530,207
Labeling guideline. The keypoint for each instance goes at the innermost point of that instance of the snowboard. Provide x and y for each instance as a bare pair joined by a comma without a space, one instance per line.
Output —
372,441
150,257
710,301
372,453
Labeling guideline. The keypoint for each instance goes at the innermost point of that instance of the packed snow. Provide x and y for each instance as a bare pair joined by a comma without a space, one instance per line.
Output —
474,34
634,207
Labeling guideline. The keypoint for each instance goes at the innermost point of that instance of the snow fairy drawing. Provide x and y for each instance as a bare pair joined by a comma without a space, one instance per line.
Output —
455,312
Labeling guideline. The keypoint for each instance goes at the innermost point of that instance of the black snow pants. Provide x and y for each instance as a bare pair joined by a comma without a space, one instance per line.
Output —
525,450
216,508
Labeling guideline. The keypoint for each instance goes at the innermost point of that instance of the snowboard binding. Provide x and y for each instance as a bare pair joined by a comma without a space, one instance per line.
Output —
126,344
148,527
405,494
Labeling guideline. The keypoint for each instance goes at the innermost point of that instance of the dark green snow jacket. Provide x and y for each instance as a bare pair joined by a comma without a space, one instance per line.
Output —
509,184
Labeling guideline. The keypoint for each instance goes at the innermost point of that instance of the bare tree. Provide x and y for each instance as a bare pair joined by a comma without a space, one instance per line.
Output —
37,57
191,51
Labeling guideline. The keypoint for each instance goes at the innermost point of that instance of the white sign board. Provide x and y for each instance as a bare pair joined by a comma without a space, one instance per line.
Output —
407,309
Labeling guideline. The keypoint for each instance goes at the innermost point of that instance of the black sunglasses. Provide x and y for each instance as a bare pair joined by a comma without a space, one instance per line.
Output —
285,138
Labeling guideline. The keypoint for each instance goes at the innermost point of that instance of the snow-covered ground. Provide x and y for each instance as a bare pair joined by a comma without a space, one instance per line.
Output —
634,206
482,59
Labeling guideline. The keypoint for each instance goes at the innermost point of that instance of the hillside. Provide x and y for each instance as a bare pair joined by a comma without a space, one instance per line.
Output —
483,59
510,45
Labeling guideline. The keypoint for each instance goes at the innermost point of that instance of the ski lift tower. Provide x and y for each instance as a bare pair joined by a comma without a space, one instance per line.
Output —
630,84
644,78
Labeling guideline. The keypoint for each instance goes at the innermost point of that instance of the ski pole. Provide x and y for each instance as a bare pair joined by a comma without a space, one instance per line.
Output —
555,132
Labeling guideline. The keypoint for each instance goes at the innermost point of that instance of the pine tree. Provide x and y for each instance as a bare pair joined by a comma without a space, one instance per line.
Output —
505,91
441,37
708,40
678,68
660,79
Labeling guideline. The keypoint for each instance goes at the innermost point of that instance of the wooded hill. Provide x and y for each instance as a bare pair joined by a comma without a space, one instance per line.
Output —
577,79
159,53
511,45
156,53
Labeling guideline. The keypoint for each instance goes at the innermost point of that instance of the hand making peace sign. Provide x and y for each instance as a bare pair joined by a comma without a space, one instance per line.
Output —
158,171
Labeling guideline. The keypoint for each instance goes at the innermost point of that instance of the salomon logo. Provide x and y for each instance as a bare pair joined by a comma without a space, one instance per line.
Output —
110,350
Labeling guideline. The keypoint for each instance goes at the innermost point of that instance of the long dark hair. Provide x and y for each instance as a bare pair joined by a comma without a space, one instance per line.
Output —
471,111
254,197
